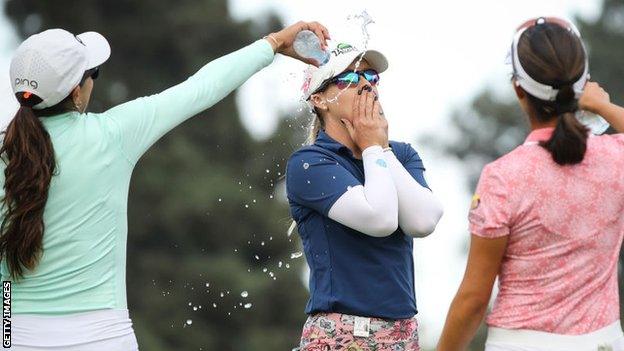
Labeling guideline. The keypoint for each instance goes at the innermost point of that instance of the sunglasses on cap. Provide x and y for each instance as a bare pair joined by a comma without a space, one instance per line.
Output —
93,73
352,78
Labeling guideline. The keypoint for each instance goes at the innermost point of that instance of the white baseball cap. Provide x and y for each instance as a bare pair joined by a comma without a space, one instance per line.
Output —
52,63
340,59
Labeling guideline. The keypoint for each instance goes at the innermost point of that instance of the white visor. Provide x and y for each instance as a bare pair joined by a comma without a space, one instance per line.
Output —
535,88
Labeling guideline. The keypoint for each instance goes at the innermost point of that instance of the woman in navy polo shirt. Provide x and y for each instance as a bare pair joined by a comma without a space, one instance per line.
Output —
358,201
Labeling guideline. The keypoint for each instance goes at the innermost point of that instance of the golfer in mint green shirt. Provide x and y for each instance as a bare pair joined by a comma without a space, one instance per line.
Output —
66,175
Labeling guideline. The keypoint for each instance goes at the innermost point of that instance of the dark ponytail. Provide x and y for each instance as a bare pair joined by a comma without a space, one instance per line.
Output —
28,154
555,56
568,143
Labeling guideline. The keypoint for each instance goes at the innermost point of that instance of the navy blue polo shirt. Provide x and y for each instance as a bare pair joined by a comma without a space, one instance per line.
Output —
350,272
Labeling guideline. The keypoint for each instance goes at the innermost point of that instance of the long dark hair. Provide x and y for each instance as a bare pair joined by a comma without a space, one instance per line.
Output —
555,56
28,153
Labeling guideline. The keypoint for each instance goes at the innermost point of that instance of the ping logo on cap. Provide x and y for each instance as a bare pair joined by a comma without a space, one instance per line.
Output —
30,83
342,48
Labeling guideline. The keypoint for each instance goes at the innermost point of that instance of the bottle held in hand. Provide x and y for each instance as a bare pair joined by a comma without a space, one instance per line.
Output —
308,45
596,124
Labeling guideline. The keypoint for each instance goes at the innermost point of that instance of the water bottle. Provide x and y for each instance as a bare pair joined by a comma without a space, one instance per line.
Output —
596,124
308,45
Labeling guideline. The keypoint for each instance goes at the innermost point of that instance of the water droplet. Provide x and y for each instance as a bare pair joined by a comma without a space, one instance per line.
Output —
268,171
222,294
296,254
291,229
190,303
220,200
194,308
257,258
214,305
244,294
189,321
262,243
248,305
279,264
306,165
264,270
287,265
207,284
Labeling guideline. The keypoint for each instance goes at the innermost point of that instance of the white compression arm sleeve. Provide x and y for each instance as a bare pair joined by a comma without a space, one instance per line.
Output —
373,208
419,209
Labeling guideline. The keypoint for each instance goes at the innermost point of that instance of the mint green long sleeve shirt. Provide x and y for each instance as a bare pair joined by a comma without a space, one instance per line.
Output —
83,266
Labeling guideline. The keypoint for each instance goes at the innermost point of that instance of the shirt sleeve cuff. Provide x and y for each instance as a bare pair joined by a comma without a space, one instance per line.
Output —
266,50
372,150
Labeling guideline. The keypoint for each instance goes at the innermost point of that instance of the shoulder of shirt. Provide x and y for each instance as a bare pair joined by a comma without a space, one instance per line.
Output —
618,137
512,157
308,152
400,147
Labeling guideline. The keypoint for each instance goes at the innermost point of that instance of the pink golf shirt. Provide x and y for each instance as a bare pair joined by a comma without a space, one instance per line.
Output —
565,226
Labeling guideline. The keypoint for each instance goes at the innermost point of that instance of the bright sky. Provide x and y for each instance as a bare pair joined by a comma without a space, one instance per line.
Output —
441,54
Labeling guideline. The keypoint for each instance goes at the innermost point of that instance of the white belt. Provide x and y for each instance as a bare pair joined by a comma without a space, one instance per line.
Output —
555,342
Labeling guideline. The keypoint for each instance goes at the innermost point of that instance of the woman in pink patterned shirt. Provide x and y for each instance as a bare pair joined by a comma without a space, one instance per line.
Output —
548,217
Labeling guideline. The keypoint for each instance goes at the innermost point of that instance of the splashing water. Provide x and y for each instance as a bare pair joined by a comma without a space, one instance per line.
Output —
244,294
189,321
248,305
365,19
296,254
291,229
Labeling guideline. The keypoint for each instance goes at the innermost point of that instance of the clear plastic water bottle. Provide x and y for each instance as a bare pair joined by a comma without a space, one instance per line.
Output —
596,124
308,45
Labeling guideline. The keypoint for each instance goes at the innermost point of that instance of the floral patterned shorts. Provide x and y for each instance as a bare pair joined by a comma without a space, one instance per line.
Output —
334,331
